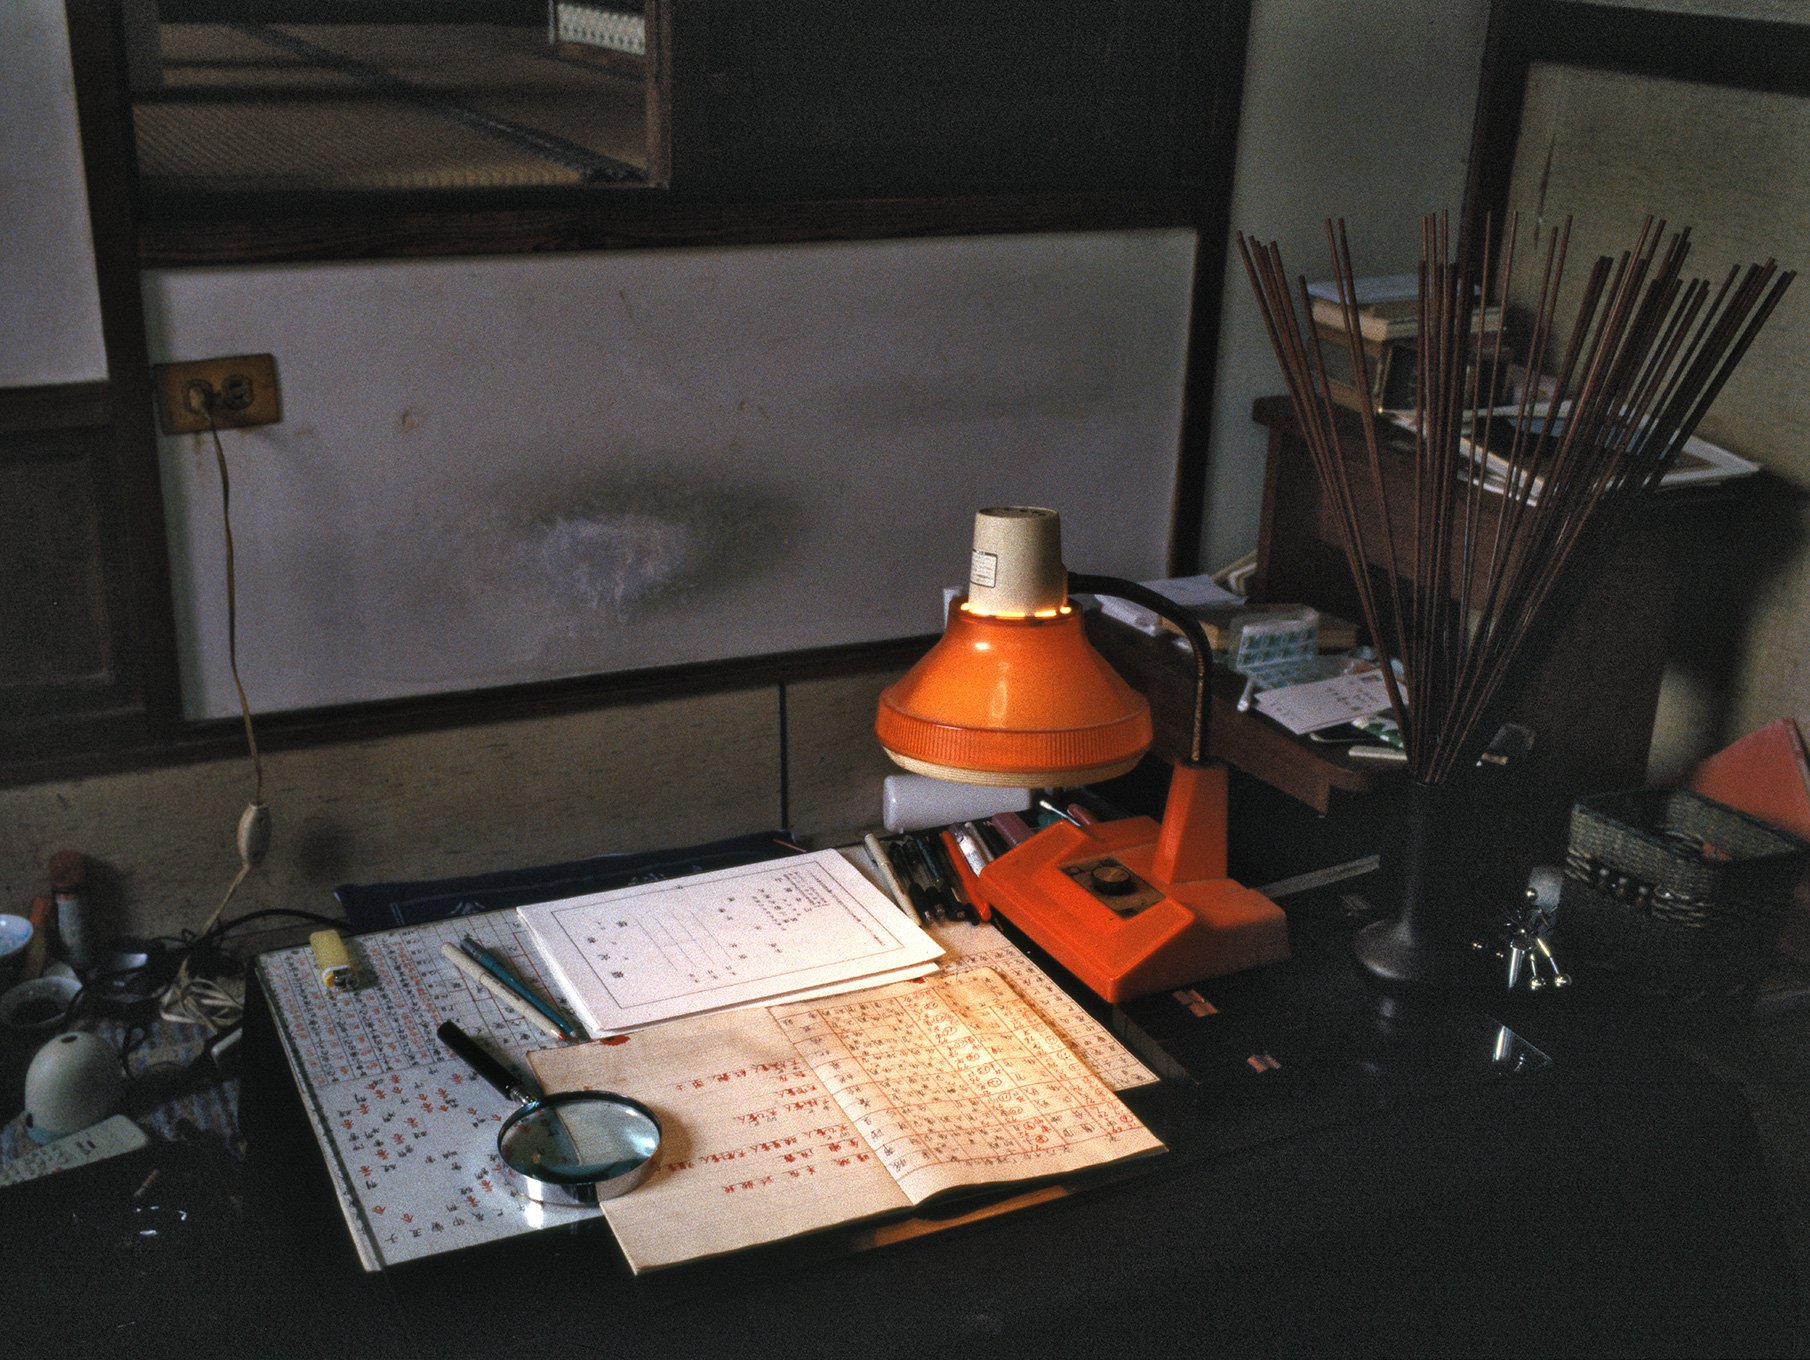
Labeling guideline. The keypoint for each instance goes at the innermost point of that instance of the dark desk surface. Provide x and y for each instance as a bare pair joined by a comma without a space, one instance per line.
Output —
1358,1198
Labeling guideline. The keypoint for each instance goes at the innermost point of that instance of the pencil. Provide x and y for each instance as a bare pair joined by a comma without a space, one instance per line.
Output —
889,876
495,986
494,964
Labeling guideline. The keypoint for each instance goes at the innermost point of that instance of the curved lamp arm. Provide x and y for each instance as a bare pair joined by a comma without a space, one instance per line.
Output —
1080,583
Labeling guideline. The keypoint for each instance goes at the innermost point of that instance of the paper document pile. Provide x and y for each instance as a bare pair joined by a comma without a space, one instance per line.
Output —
783,930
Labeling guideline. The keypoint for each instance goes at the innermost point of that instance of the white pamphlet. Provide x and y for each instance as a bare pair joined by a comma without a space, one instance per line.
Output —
756,933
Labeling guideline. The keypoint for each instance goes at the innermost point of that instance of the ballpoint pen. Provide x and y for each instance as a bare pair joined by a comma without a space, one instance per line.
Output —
988,835
965,872
502,972
944,883
923,872
905,871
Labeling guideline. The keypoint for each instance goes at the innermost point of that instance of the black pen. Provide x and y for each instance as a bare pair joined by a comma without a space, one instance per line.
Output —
936,883
889,876
988,835
908,878
487,1067
503,974
948,883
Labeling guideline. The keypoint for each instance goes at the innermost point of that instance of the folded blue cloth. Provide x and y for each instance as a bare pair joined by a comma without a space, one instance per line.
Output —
383,906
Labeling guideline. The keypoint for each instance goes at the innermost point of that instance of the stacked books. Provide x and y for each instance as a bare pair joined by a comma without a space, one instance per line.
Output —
1388,321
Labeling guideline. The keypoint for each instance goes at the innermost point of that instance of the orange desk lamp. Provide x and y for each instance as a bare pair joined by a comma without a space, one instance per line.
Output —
1014,694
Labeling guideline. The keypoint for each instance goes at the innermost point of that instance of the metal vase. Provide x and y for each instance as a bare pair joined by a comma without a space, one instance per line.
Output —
1458,847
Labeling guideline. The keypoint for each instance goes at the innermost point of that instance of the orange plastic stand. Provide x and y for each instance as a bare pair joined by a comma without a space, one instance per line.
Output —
1108,902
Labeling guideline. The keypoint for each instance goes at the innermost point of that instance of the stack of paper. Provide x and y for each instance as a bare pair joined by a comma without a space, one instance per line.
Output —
783,930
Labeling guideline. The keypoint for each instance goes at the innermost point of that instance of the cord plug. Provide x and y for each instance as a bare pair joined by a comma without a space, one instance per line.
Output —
198,396
254,833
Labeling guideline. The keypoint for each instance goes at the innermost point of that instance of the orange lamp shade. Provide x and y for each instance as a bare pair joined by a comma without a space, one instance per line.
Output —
1016,701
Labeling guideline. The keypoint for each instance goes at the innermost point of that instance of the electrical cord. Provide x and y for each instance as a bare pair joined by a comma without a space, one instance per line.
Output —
214,936
216,1002
206,956
264,913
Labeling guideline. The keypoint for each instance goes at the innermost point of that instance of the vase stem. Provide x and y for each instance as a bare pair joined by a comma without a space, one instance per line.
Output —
1423,944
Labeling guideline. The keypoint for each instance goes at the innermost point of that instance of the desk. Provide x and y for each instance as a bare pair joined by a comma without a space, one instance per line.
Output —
1615,1204
1162,671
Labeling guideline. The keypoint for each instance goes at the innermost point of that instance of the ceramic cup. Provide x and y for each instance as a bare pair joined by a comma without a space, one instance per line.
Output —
15,935
41,1004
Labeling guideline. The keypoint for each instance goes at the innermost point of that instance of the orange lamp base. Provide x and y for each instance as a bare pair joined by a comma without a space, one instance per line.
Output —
1100,900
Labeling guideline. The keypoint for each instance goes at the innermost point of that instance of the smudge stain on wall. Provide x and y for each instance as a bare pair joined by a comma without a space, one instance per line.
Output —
607,559
624,546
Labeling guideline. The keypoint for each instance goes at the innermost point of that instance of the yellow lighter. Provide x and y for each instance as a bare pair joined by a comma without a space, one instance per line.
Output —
332,961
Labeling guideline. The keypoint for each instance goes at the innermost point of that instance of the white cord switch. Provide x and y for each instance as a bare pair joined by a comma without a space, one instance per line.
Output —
254,833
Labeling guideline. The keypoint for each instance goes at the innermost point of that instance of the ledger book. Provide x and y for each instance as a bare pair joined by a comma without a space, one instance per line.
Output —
800,1117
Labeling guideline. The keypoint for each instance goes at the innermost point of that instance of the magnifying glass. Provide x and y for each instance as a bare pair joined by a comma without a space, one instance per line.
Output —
573,1147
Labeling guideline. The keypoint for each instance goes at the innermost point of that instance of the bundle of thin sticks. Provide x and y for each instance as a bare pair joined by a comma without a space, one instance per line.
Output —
1484,556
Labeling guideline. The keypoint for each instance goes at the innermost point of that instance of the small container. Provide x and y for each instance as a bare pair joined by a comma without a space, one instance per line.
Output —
15,939
1681,895
75,925
39,1004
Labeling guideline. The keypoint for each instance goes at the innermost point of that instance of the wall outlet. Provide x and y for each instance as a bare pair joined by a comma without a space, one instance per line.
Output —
240,391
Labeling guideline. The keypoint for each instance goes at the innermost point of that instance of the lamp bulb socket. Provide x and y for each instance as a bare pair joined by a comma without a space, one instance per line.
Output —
1016,567
254,833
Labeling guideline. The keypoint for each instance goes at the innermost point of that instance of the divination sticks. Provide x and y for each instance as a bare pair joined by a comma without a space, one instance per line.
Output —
1482,552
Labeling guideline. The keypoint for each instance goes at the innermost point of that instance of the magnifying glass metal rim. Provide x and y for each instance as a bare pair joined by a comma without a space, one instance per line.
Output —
553,1187
540,1185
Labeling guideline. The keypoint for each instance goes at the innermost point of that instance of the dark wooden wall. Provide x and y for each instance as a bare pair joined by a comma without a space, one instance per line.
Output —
86,658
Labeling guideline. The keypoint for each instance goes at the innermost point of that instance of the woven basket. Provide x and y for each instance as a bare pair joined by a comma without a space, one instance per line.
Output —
1679,893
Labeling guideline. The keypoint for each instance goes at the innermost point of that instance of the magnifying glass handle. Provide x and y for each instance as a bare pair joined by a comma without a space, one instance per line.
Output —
482,1063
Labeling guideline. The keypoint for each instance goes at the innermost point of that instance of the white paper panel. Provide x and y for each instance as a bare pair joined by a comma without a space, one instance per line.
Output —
504,470
50,314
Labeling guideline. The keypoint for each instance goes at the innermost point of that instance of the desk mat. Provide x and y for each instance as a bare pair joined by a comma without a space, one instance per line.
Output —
408,1132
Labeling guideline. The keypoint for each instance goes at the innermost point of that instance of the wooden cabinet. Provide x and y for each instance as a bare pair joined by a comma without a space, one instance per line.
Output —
1589,690
1318,776
1589,686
